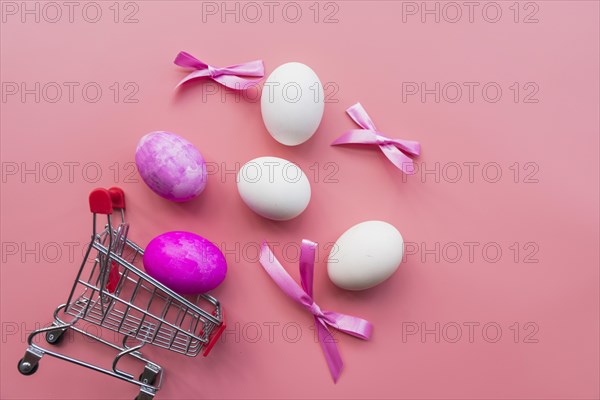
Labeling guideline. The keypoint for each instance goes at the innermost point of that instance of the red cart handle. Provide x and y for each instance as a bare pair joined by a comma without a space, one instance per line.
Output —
118,197
215,334
100,201
103,201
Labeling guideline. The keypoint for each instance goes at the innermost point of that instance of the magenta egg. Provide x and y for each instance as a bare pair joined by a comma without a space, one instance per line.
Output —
171,166
185,262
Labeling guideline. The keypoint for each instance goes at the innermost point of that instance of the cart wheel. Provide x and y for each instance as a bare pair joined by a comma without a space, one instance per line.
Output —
148,380
26,368
143,396
54,337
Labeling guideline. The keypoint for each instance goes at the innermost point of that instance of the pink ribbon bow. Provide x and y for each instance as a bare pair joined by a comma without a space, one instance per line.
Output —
396,150
348,324
227,76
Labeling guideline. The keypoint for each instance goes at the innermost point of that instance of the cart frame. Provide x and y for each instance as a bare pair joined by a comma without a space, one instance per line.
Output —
119,297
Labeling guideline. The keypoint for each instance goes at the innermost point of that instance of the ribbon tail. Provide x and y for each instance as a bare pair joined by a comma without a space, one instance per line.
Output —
193,75
280,276
236,82
307,265
360,116
398,158
250,68
186,60
356,136
330,350
408,146
357,327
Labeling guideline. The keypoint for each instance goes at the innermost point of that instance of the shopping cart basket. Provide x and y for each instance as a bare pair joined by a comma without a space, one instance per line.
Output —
113,293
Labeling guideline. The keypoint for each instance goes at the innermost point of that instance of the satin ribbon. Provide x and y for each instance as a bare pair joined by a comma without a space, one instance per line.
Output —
348,324
227,76
396,150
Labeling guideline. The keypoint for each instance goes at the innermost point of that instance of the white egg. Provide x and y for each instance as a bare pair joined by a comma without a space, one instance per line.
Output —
292,103
274,188
365,255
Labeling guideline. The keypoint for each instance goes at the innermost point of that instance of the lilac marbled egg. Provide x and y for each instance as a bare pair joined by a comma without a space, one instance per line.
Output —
185,262
171,166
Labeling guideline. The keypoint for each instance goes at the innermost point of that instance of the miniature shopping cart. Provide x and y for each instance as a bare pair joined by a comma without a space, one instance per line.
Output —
112,292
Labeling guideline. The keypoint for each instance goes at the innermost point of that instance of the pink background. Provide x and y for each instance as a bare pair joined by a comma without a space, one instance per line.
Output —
551,211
